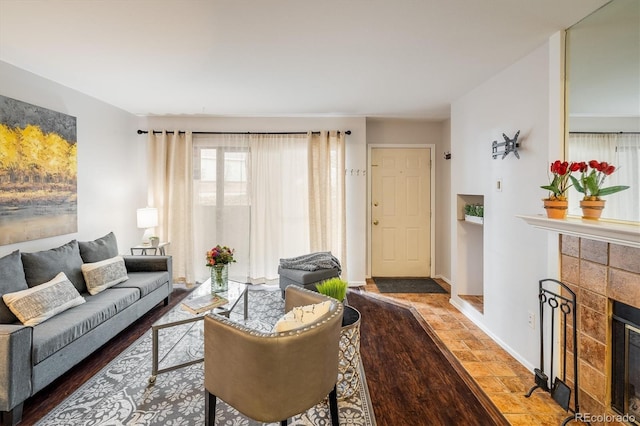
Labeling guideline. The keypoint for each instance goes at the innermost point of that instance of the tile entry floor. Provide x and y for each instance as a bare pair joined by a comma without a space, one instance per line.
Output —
500,375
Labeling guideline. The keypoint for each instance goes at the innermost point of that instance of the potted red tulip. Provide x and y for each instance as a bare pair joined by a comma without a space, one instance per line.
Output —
590,183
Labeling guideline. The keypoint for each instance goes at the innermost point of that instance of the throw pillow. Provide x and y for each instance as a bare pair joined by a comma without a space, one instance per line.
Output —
102,248
42,266
11,279
101,275
301,316
37,304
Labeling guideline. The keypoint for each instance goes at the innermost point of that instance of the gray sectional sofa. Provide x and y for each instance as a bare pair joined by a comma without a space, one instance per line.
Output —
31,357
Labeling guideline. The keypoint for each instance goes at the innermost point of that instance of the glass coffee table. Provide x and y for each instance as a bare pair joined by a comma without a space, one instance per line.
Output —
179,317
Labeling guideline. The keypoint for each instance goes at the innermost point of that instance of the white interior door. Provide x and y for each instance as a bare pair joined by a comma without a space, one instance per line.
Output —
400,212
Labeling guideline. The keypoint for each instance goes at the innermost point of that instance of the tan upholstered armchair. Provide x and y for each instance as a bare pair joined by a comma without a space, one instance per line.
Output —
270,377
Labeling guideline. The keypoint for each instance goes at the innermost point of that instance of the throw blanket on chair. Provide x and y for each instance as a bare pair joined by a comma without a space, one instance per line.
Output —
312,262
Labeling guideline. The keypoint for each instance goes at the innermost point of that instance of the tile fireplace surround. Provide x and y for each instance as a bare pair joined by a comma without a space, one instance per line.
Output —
600,262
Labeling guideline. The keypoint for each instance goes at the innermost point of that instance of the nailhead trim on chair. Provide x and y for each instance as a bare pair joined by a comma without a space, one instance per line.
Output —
257,333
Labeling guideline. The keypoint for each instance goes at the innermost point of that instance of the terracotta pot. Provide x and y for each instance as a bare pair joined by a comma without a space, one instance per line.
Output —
556,209
592,209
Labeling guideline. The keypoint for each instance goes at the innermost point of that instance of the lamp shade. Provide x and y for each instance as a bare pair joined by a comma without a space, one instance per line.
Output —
147,217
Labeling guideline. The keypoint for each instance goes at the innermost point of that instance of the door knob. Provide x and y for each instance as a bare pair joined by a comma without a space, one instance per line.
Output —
375,204
375,222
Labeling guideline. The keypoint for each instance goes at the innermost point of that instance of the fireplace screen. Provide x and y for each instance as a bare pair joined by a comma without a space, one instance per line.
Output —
625,386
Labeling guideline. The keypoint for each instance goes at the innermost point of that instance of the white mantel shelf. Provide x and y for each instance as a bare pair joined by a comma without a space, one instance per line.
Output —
599,230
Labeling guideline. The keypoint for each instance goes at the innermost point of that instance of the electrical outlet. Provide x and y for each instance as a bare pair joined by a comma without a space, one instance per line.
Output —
499,185
531,320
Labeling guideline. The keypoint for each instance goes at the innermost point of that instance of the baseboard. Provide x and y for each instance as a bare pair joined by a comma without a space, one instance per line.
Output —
473,316
445,279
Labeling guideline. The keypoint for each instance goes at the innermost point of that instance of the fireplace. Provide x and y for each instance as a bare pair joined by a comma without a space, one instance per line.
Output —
625,361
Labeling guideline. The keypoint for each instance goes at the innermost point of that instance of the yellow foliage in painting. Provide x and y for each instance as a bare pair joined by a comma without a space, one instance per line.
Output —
31,155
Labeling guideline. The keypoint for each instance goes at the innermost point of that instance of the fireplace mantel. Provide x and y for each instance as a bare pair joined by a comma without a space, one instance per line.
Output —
599,230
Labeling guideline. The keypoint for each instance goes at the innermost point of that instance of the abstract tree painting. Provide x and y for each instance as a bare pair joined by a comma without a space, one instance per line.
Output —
38,172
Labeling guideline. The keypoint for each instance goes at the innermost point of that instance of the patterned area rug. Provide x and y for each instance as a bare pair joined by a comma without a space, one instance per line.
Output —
120,393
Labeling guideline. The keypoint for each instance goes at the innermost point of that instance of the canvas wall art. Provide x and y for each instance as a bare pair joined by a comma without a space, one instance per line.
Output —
38,172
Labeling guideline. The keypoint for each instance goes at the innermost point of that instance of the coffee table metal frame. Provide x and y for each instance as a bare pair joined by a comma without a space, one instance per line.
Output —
242,292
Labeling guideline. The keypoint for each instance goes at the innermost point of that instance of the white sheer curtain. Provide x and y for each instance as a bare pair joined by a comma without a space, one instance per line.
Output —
255,193
170,190
621,150
221,200
279,193
327,211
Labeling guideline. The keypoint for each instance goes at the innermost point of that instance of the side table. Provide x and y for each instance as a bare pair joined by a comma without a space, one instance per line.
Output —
149,250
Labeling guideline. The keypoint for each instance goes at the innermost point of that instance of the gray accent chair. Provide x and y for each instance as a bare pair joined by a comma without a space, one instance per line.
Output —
270,377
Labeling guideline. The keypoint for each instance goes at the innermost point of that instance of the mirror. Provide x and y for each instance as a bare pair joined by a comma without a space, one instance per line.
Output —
603,101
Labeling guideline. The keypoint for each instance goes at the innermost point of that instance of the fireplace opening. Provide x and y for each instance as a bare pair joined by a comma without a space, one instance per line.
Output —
625,378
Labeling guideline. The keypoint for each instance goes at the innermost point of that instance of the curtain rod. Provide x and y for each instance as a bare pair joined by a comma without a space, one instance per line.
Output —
604,133
141,132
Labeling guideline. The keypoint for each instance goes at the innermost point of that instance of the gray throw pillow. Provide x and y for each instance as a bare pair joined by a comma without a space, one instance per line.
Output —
43,266
97,250
11,280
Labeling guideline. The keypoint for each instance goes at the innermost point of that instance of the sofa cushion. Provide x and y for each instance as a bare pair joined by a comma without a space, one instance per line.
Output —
100,249
37,304
11,280
101,275
145,282
42,266
301,316
51,336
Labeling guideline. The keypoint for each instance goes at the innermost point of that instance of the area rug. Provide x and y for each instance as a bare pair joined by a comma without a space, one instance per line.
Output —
120,393
407,285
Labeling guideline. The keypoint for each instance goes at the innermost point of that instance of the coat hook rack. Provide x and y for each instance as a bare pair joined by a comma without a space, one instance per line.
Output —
355,172
504,148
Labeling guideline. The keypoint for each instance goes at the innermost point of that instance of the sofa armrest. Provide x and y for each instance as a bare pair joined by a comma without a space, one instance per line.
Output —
15,365
147,263
150,264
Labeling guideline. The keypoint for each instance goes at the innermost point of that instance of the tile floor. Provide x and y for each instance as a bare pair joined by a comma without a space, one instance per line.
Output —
500,375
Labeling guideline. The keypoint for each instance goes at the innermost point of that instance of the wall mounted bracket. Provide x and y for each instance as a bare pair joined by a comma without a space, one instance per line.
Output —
504,148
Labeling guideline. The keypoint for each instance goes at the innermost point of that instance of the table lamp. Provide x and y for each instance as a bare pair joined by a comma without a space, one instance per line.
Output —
147,220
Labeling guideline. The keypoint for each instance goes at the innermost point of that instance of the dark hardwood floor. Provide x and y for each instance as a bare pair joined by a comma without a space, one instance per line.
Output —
45,400
412,381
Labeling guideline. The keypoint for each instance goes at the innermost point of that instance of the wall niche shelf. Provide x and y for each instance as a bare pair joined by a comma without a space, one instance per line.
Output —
474,219
470,251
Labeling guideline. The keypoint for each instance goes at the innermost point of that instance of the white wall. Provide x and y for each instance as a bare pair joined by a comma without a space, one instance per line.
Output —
356,158
111,163
390,131
526,96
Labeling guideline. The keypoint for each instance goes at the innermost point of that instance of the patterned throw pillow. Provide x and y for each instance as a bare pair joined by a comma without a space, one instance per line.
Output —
101,275
300,316
39,303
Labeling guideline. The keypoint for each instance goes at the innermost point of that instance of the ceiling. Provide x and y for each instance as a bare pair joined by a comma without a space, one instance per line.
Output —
377,58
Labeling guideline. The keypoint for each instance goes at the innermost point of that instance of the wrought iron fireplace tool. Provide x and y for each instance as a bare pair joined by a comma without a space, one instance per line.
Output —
564,307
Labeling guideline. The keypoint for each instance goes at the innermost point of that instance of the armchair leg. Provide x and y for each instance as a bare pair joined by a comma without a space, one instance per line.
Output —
209,408
333,406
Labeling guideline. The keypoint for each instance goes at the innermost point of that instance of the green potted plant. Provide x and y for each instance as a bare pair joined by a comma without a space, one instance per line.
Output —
474,213
333,287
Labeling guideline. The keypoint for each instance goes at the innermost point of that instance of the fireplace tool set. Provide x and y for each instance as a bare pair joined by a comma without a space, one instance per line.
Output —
560,306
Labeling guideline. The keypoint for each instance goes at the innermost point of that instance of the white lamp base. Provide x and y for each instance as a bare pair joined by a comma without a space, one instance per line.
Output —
148,233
